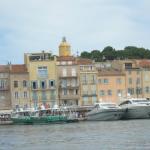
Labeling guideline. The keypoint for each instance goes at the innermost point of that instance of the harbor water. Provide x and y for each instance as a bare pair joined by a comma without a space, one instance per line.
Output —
100,135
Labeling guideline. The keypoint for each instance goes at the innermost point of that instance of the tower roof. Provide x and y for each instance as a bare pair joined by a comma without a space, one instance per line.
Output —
64,43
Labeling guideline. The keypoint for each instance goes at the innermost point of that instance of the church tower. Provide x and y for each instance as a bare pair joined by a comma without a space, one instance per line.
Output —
64,48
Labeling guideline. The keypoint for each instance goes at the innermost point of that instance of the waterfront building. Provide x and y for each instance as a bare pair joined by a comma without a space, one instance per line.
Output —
145,67
133,74
68,80
111,85
88,82
5,99
19,85
67,76
42,77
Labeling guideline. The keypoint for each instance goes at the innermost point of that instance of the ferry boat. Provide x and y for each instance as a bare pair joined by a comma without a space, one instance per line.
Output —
136,108
105,112
43,116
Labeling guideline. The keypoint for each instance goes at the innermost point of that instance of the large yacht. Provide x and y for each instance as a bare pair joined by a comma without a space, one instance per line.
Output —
136,108
105,111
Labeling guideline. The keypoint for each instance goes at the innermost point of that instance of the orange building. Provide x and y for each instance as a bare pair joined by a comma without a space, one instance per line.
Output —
111,85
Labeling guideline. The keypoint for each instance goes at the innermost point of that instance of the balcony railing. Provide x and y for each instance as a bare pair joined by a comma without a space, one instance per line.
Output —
70,96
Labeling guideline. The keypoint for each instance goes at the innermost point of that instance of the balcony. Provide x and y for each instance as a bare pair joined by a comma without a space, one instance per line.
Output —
89,94
4,88
68,76
70,96
69,86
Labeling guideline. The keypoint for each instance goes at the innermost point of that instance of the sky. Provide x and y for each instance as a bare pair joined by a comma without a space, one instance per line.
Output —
28,26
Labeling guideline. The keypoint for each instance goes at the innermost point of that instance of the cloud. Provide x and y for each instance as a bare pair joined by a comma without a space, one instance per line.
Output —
34,25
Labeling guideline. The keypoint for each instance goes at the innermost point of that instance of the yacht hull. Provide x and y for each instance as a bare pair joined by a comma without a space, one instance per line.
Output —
137,112
106,115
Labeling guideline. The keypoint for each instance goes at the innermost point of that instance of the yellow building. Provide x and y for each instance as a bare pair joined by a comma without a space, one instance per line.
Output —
64,48
42,77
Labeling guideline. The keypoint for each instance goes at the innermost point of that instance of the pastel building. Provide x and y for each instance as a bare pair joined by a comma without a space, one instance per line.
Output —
111,85
88,82
5,98
19,85
42,77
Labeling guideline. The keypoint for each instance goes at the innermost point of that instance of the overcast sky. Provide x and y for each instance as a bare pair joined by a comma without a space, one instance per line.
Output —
35,25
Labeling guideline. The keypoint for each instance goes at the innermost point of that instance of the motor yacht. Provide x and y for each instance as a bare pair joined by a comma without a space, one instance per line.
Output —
105,111
136,108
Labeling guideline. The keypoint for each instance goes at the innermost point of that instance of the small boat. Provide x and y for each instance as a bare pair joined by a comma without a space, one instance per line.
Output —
136,108
5,117
105,112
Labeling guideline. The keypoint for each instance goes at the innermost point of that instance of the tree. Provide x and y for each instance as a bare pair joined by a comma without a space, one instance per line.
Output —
85,54
109,53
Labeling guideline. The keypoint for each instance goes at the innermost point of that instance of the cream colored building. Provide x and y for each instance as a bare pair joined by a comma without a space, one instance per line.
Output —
88,82
42,78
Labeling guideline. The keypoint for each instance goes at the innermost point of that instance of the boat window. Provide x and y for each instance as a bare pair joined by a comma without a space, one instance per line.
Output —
141,101
124,103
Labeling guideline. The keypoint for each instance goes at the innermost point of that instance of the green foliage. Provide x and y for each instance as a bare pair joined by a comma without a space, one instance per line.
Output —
109,53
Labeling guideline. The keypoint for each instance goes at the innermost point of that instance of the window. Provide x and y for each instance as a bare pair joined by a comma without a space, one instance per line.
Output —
138,90
42,72
25,94
118,81
94,99
131,91
119,92
24,83
147,89
99,80
109,92
16,95
64,83
43,84
73,72
34,96
15,84
2,84
130,80
52,83
85,100
105,81
44,97
64,72
84,80
102,93
34,85
64,92
138,81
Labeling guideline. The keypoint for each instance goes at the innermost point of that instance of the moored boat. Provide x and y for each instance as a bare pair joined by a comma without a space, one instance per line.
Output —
42,116
136,108
105,112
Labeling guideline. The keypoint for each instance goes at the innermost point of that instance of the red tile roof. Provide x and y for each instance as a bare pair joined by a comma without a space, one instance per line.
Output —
18,68
65,58
4,68
84,61
144,63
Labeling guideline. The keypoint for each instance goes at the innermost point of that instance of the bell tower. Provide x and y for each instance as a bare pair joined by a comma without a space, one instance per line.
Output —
64,48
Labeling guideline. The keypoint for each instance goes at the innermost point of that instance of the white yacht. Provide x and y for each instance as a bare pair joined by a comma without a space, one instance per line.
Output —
105,111
136,108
